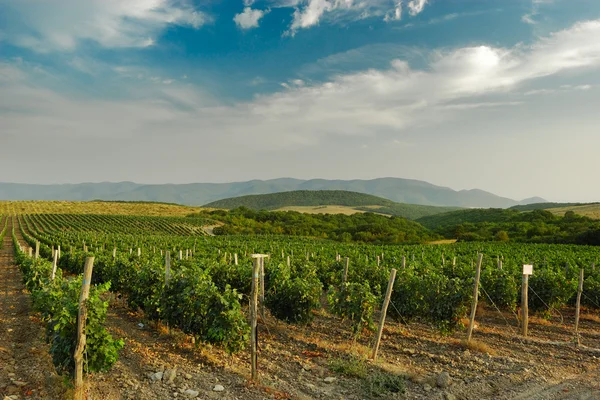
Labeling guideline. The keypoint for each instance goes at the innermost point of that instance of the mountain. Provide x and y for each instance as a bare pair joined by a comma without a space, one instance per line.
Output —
352,200
395,189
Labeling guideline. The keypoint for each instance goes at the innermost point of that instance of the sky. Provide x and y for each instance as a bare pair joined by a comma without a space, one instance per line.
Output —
499,95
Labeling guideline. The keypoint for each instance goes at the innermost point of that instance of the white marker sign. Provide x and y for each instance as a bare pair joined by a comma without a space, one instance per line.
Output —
527,269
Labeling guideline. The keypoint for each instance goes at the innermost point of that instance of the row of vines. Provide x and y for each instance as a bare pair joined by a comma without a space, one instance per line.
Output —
206,294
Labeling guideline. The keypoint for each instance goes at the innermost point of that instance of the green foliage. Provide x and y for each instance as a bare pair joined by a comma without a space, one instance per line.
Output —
58,302
537,226
550,289
195,304
293,298
367,227
434,297
350,366
501,286
356,302
379,384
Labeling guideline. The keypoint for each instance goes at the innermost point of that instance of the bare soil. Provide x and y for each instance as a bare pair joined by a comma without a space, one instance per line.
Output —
26,368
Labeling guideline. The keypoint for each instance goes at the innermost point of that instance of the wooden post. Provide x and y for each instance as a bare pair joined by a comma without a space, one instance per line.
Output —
114,252
262,290
345,275
235,259
167,268
180,254
403,262
378,261
58,251
475,297
254,312
578,306
525,305
386,303
289,261
30,252
37,249
54,264
81,318
499,263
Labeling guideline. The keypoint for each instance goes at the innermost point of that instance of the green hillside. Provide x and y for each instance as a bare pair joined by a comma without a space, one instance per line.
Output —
302,198
536,226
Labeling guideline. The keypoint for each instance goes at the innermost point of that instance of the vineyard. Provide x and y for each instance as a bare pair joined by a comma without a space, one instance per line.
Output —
169,273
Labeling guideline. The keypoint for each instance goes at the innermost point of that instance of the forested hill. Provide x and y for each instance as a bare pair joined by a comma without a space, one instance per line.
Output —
354,200
537,226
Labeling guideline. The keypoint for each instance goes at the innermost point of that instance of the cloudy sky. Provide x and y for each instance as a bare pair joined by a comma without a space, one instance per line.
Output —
501,95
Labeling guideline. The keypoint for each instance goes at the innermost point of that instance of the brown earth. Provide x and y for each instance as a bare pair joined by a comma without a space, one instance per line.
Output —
26,368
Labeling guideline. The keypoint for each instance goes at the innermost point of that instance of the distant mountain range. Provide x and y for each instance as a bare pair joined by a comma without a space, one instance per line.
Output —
195,194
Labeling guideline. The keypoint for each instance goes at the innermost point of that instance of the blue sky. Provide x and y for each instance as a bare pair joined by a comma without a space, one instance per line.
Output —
493,94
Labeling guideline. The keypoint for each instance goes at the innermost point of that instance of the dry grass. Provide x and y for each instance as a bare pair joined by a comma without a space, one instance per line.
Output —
539,321
590,317
95,207
346,210
479,347
446,241
590,210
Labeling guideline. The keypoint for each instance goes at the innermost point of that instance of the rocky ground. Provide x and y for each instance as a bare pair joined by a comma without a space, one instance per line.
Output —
322,360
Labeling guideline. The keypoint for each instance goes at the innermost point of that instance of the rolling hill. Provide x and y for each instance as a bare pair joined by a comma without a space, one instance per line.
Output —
357,202
396,189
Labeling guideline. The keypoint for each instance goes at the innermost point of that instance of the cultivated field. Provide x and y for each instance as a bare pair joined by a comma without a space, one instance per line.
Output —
183,331
95,207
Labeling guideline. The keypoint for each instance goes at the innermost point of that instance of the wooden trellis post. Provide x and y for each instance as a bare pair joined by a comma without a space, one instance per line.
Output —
527,270
257,260
386,303
81,319
578,306
475,298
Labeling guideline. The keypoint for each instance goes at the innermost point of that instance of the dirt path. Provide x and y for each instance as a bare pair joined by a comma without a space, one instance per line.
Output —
26,369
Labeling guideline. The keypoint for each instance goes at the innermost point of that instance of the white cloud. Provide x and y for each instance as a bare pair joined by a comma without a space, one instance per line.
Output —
364,103
395,14
249,18
309,13
416,6
48,25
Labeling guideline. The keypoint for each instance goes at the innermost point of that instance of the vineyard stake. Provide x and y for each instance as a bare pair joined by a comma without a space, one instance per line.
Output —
54,264
578,306
262,289
37,249
403,262
254,311
58,251
81,318
235,259
30,252
475,298
524,300
386,303
167,268
345,275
